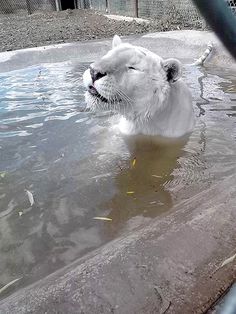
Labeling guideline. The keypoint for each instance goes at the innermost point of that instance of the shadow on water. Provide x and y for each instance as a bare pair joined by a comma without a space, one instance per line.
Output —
78,168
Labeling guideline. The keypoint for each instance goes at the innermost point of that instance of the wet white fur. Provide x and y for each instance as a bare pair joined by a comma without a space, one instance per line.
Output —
148,102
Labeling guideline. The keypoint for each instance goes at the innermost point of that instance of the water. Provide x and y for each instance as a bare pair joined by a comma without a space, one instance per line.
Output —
78,168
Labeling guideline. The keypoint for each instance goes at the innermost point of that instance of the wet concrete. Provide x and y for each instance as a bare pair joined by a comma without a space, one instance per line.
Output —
167,266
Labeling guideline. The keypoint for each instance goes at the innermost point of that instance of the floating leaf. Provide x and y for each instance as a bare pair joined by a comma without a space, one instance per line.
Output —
30,197
103,218
134,162
228,260
153,175
20,213
9,284
2,175
130,192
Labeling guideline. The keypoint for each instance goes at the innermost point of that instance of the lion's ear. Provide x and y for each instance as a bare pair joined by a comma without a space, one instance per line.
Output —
116,41
173,69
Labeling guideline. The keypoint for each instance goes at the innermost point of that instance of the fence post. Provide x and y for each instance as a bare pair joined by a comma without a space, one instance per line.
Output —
136,8
58,5
28,6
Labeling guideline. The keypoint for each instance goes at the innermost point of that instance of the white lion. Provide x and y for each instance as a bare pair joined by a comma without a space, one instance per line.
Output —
145,89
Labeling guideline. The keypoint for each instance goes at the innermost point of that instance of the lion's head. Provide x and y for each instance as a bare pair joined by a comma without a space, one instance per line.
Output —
132,81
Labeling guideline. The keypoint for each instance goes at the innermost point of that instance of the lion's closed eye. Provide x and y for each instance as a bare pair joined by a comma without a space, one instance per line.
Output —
134,69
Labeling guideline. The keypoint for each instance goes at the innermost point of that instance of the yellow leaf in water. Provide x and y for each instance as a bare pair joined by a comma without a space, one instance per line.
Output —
134,162
130,192
103,218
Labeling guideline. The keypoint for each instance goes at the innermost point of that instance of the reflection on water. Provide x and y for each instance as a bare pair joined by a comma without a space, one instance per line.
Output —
77,167
141,182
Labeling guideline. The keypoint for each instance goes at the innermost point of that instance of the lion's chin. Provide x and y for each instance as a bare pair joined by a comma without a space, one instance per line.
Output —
97,102
94,93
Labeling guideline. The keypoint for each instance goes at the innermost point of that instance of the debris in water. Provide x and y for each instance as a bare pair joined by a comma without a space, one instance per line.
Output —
154,202
103,218
20,213
130,192
9,284
155,176
30,197
2,175
134,162
228,260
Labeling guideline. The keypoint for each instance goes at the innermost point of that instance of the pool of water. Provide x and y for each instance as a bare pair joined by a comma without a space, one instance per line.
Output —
77,167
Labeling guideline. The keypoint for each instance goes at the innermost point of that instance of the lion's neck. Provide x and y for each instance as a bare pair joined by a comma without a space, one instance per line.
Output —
173,120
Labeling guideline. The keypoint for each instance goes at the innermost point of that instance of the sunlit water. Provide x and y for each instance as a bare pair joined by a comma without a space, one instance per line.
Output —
78,168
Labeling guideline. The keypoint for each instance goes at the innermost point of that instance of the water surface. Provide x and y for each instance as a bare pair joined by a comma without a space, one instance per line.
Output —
78,168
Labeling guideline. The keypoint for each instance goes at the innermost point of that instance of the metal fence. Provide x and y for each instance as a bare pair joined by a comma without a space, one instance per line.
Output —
151,8
154,9
30,6
25,6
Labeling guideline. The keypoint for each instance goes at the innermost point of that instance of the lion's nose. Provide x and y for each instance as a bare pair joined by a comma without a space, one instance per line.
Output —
96,75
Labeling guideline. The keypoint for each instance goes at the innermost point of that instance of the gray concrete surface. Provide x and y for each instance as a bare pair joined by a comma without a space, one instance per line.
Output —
187,45
167,266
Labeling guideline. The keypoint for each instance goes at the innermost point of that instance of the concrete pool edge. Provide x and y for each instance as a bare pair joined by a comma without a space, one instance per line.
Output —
187,44
170,263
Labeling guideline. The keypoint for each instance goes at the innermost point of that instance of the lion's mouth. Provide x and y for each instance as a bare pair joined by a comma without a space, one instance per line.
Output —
92,90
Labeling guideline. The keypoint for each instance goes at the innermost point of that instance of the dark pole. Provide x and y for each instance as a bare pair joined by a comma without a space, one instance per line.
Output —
136,8
221,19
28,6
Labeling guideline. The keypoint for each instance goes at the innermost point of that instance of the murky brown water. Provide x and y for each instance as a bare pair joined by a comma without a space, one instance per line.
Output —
78,168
